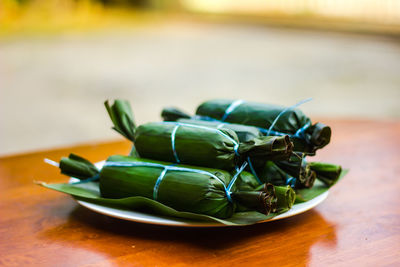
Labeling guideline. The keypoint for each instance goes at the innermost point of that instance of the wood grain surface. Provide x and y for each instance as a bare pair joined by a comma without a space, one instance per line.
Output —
358,225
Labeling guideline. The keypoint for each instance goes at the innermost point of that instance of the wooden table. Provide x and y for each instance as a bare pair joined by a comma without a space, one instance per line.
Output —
358,225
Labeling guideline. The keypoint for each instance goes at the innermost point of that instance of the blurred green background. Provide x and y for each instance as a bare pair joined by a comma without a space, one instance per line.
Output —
60,59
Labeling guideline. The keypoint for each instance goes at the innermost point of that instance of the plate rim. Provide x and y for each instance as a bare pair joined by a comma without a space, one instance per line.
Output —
141,217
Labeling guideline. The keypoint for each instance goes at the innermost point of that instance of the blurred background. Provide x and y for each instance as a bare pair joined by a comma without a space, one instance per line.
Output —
61,59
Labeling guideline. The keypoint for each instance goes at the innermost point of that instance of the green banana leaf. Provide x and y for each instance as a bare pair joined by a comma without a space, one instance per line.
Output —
284,121
122,117
90,192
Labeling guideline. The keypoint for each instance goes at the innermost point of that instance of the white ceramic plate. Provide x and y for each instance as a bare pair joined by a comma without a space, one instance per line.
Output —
171,221
160,220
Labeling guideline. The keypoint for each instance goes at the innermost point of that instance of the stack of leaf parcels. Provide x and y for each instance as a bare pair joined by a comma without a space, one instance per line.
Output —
232,157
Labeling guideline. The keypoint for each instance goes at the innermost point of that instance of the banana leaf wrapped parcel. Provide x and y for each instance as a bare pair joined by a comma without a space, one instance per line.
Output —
313,179
295,171
298,173
195,144
327,173
285,195
244,132
186,188
308,172
298,168
287,173
271,120
248,184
